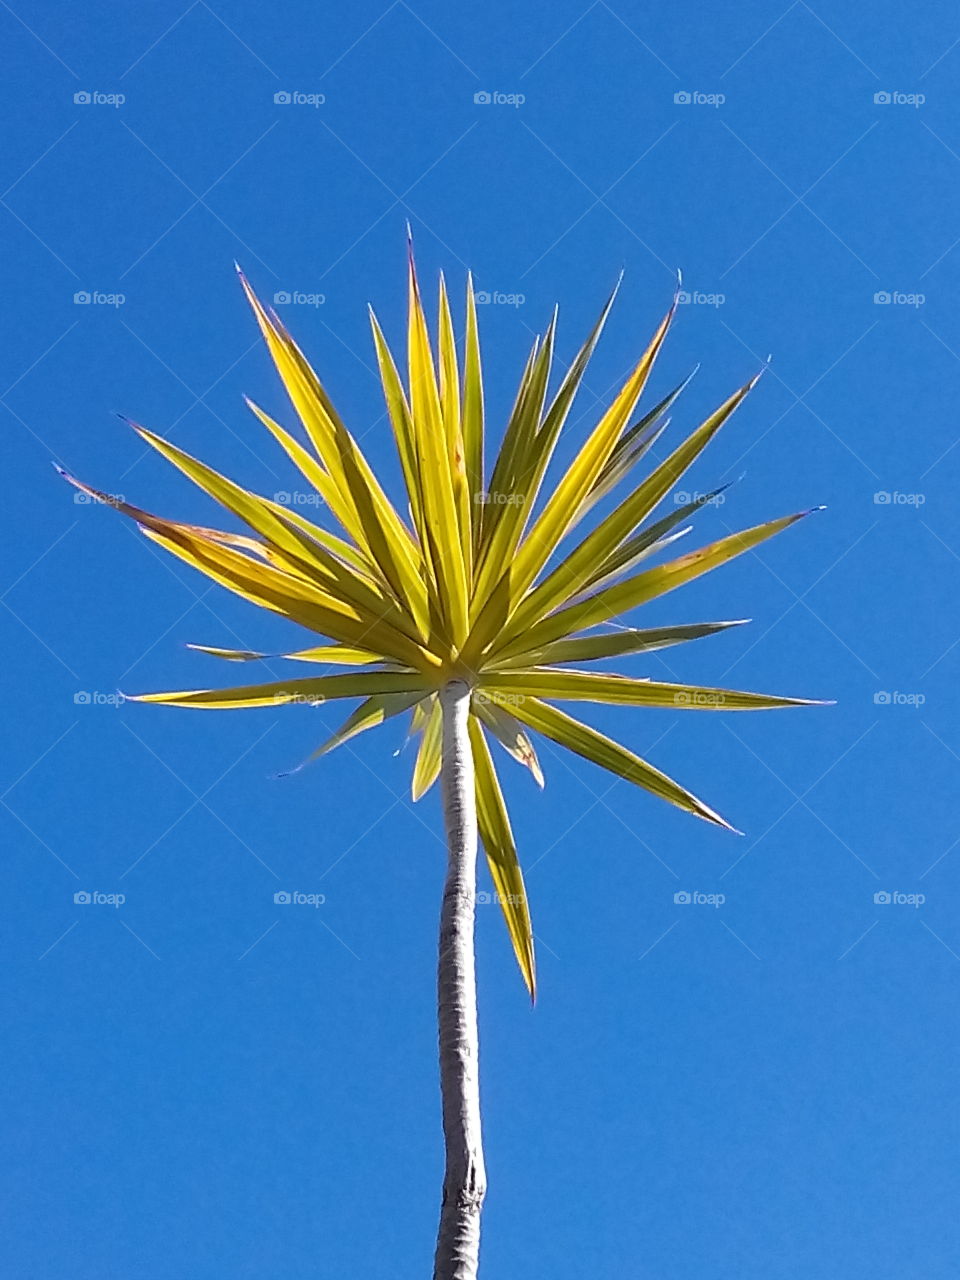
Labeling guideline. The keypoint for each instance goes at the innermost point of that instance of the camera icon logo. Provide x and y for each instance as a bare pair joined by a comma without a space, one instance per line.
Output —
82,298
81,698
882,99
881,698
282,99
882,299
482,99
682,99
882,898
82,98
484,898
282,899
82,898
683,898
281,299
481,298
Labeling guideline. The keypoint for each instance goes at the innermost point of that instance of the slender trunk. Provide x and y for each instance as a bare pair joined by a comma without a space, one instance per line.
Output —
464,1184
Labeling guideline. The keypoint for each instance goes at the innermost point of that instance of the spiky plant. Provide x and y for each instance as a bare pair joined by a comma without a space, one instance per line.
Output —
458,609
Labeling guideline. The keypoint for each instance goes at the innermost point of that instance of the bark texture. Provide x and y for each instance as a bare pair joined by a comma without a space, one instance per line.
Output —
465,1184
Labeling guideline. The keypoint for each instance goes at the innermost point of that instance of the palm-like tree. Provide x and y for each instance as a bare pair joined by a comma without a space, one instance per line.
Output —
452,610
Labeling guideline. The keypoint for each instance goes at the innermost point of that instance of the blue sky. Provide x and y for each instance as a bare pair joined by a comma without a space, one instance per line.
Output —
200,1083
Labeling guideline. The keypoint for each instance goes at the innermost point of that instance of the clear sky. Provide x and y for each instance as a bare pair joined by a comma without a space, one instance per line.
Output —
201,1084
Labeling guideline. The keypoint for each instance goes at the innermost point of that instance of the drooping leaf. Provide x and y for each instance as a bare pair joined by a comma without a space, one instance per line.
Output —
371,713
426,769
494,827
601,750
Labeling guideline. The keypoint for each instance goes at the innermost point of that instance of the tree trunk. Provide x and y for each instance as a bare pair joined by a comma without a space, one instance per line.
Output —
464,1184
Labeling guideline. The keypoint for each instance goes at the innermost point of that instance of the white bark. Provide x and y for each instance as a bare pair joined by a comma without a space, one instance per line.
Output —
464,1185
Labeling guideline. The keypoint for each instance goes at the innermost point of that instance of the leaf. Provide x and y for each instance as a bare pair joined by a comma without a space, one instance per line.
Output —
646,586
312,471
592,686
585,560
556,516
612,644
426,770
292,550
369,715
289,596
498,844
337,655
648,541
384,539
631,447
401,422
316,689
509,733
503,512
435,474
594,746
471,409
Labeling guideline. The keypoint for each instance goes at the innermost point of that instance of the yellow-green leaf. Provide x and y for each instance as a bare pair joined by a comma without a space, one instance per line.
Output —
427,767
612,644
315,689
372,712
575,571
498,844
601,750
509,733
646,586
471,409
435,473
336,655
561,507
593,686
